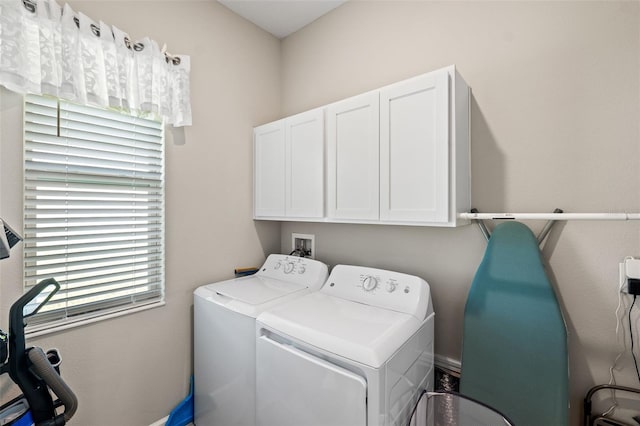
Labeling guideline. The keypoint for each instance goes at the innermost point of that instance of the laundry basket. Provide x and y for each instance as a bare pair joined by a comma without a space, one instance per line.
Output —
453,409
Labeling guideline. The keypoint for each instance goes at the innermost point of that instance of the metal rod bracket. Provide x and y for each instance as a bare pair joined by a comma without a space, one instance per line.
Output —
541,236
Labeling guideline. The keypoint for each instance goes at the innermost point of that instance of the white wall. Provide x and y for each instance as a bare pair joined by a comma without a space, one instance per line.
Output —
133,370
555,123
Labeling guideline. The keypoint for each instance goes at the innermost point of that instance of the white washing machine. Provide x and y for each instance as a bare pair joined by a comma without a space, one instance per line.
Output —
356,353
224,335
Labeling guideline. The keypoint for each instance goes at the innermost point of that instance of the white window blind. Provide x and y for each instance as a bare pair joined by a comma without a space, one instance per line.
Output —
94,209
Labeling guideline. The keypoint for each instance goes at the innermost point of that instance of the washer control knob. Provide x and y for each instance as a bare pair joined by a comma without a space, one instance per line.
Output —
277,265
301,269
369,283
288,267
391,286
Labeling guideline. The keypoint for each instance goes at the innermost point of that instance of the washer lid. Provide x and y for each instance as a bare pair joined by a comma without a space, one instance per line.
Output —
255,290
359,332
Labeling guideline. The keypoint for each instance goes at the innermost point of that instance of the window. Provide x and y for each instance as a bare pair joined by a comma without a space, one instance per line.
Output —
93,210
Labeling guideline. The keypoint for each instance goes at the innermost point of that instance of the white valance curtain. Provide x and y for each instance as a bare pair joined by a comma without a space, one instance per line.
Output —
47,49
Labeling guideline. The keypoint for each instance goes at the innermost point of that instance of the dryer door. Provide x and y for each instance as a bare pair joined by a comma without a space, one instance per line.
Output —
295,388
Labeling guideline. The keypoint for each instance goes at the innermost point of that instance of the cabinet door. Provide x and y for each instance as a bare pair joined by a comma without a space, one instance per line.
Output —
414,149
269,170
353,156
305,164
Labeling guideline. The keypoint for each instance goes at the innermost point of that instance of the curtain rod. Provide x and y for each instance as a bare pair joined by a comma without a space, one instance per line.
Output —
550,216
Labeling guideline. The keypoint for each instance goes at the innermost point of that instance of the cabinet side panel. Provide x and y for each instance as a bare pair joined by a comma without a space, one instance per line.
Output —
461,128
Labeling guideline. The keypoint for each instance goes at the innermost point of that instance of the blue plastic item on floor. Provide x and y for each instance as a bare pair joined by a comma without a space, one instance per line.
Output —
182,415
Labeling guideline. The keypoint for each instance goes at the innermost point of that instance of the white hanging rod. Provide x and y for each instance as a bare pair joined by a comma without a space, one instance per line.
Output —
550,216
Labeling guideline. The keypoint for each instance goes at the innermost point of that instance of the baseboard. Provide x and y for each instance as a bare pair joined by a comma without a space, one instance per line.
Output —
160,422
449,364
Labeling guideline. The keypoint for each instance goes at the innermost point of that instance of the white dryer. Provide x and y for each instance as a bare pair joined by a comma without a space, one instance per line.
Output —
356,353
224,335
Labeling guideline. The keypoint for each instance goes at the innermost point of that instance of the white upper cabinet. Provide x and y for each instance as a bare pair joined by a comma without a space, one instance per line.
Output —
396,155
414,150
288,167
353,158
269,170
305,164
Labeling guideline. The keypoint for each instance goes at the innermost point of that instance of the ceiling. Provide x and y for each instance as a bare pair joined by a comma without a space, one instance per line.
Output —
279,17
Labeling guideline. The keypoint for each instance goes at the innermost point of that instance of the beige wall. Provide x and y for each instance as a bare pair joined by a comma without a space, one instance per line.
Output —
133,370
555,123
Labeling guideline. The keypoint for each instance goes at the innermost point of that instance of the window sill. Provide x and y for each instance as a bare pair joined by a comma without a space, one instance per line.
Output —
44,329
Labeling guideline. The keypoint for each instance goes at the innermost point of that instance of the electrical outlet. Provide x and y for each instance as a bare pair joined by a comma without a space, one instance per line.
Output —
304,243
629,272
632,268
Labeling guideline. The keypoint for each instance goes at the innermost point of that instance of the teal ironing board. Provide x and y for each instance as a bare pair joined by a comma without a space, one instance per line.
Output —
514,350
